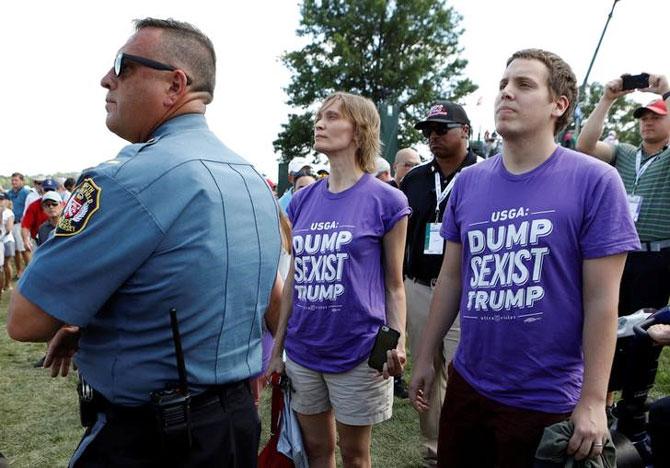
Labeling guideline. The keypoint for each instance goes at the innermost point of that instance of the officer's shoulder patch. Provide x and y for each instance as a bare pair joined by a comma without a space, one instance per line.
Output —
83,203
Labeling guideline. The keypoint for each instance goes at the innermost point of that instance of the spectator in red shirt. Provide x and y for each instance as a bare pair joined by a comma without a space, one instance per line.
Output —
35,216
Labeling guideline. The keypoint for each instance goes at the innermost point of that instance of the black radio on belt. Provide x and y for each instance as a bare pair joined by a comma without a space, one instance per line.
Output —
172,406
87,406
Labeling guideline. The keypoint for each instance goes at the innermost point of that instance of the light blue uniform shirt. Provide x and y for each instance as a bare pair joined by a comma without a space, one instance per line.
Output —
180,221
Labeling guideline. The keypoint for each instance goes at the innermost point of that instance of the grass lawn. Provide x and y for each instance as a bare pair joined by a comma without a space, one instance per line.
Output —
39,422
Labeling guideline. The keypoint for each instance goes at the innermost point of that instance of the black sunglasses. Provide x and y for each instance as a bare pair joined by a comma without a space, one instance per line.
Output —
122,58
439,129
50,204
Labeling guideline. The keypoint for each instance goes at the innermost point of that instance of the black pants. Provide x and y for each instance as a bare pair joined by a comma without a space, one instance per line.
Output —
225,433
645,281
659,430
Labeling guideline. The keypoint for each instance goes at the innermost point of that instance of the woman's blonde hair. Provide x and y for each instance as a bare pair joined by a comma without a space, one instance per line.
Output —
362,113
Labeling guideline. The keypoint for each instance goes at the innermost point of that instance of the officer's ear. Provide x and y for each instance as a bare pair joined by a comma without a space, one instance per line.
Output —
179,83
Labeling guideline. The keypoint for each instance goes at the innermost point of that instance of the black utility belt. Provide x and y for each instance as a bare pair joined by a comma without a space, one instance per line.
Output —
654,246
93,402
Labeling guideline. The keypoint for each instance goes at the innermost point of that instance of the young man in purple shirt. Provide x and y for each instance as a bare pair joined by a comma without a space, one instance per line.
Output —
536,242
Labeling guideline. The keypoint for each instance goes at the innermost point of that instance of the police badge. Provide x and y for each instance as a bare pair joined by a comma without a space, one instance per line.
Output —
85,201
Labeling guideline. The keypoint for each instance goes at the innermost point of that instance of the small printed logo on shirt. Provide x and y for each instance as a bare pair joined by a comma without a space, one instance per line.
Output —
85,201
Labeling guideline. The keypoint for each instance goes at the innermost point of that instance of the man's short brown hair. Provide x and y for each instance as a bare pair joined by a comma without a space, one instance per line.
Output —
561,82
184,45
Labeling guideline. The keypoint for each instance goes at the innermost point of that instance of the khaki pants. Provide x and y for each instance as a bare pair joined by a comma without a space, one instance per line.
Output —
418,305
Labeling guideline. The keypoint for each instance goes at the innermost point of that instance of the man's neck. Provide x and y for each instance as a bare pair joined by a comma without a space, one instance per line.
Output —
522,155
192,106
449,165
653,148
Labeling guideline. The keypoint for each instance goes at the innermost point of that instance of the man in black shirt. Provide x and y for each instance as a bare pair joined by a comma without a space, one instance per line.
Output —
427,187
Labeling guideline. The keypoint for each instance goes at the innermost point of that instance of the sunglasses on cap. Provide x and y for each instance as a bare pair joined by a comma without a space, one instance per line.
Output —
440,129
122,59
303,173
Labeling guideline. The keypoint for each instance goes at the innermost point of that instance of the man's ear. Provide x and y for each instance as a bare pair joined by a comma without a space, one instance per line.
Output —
177,86
560,106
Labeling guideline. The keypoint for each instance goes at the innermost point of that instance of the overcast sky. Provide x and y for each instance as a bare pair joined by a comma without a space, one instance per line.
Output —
55,53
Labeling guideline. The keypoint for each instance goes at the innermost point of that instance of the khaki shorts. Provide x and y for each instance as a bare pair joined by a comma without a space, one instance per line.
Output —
359,397
18,238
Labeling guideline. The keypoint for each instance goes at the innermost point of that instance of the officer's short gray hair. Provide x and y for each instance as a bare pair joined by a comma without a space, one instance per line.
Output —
184,45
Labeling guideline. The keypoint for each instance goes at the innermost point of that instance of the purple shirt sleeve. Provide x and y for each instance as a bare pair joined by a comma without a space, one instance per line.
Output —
607,208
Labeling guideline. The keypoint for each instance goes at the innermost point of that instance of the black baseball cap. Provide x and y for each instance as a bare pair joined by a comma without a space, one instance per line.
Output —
444,112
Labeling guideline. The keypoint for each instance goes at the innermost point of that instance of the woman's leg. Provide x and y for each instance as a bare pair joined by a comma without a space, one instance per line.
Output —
355,445
7,273
318,435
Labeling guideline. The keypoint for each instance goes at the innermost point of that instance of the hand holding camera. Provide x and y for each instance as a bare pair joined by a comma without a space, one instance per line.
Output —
628,83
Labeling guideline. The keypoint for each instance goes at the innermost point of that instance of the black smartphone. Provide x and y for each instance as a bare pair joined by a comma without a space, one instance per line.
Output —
635,81
387,339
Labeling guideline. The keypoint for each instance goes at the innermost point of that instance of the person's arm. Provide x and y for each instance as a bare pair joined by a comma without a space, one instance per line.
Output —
25,235
588,140
443,311
276,360
658,84
396,306
272,312
601,278
10,224
26,223
28,322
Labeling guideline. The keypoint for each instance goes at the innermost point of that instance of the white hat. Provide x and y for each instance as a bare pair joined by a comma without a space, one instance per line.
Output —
52,196
296,164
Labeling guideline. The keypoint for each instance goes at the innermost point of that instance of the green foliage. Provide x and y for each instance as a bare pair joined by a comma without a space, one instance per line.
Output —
620,117
295,140
404,52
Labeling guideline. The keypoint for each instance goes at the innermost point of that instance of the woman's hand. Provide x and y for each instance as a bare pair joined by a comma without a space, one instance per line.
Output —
395,363
276,365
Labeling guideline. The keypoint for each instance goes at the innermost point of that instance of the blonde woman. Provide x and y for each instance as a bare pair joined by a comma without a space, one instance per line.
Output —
345,283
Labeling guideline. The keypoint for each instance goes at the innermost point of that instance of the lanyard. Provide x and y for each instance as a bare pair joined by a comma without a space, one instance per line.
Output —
440,195
640,170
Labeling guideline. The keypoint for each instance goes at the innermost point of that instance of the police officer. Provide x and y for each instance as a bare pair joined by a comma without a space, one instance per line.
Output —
427,187
136,254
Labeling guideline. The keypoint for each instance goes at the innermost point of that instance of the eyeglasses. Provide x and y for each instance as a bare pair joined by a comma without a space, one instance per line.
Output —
122,58
439,129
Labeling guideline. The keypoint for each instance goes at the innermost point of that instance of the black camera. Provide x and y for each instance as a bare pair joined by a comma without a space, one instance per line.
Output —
635,81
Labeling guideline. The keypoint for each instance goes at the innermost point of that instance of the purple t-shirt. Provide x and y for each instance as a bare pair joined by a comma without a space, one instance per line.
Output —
338,295
524,240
